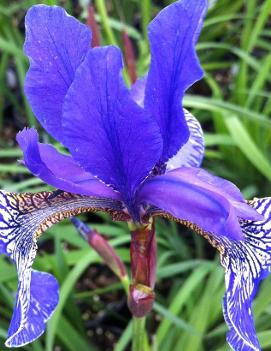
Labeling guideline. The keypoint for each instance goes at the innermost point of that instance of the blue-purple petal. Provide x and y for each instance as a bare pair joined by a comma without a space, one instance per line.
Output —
138,91
193,195
237,305
58,170
23,219
56,44
174,68
246,263
18,234
105,130
191,154
26,326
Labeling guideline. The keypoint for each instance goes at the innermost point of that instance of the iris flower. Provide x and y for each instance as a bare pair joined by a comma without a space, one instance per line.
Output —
133,153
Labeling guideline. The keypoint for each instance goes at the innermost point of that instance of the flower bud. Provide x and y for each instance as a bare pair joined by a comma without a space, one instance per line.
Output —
140,300
102,247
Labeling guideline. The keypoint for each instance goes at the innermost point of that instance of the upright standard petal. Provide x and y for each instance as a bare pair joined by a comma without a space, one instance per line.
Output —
191,154
56,44
105,130
59,170
23,218
193,195
174,68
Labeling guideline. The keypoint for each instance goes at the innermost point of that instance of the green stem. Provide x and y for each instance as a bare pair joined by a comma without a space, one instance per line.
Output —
111,39
125,283
146,16
138,333
100,5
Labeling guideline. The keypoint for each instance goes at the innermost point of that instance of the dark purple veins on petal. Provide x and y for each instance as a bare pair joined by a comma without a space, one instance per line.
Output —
105,130
246,262
56,44
24,217
42,295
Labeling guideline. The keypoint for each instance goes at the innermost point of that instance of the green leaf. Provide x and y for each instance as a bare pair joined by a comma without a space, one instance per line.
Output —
246,144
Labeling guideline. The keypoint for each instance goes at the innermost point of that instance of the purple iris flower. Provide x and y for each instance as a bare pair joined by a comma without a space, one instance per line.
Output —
133,153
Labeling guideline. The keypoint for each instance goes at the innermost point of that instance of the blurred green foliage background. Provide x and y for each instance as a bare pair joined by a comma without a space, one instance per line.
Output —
233,104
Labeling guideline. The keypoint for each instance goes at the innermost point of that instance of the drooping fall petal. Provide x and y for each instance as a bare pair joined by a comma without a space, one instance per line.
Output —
35,303
246,263
23,218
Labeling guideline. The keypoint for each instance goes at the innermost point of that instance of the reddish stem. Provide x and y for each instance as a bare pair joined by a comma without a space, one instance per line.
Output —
143,269
129,56
92,24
